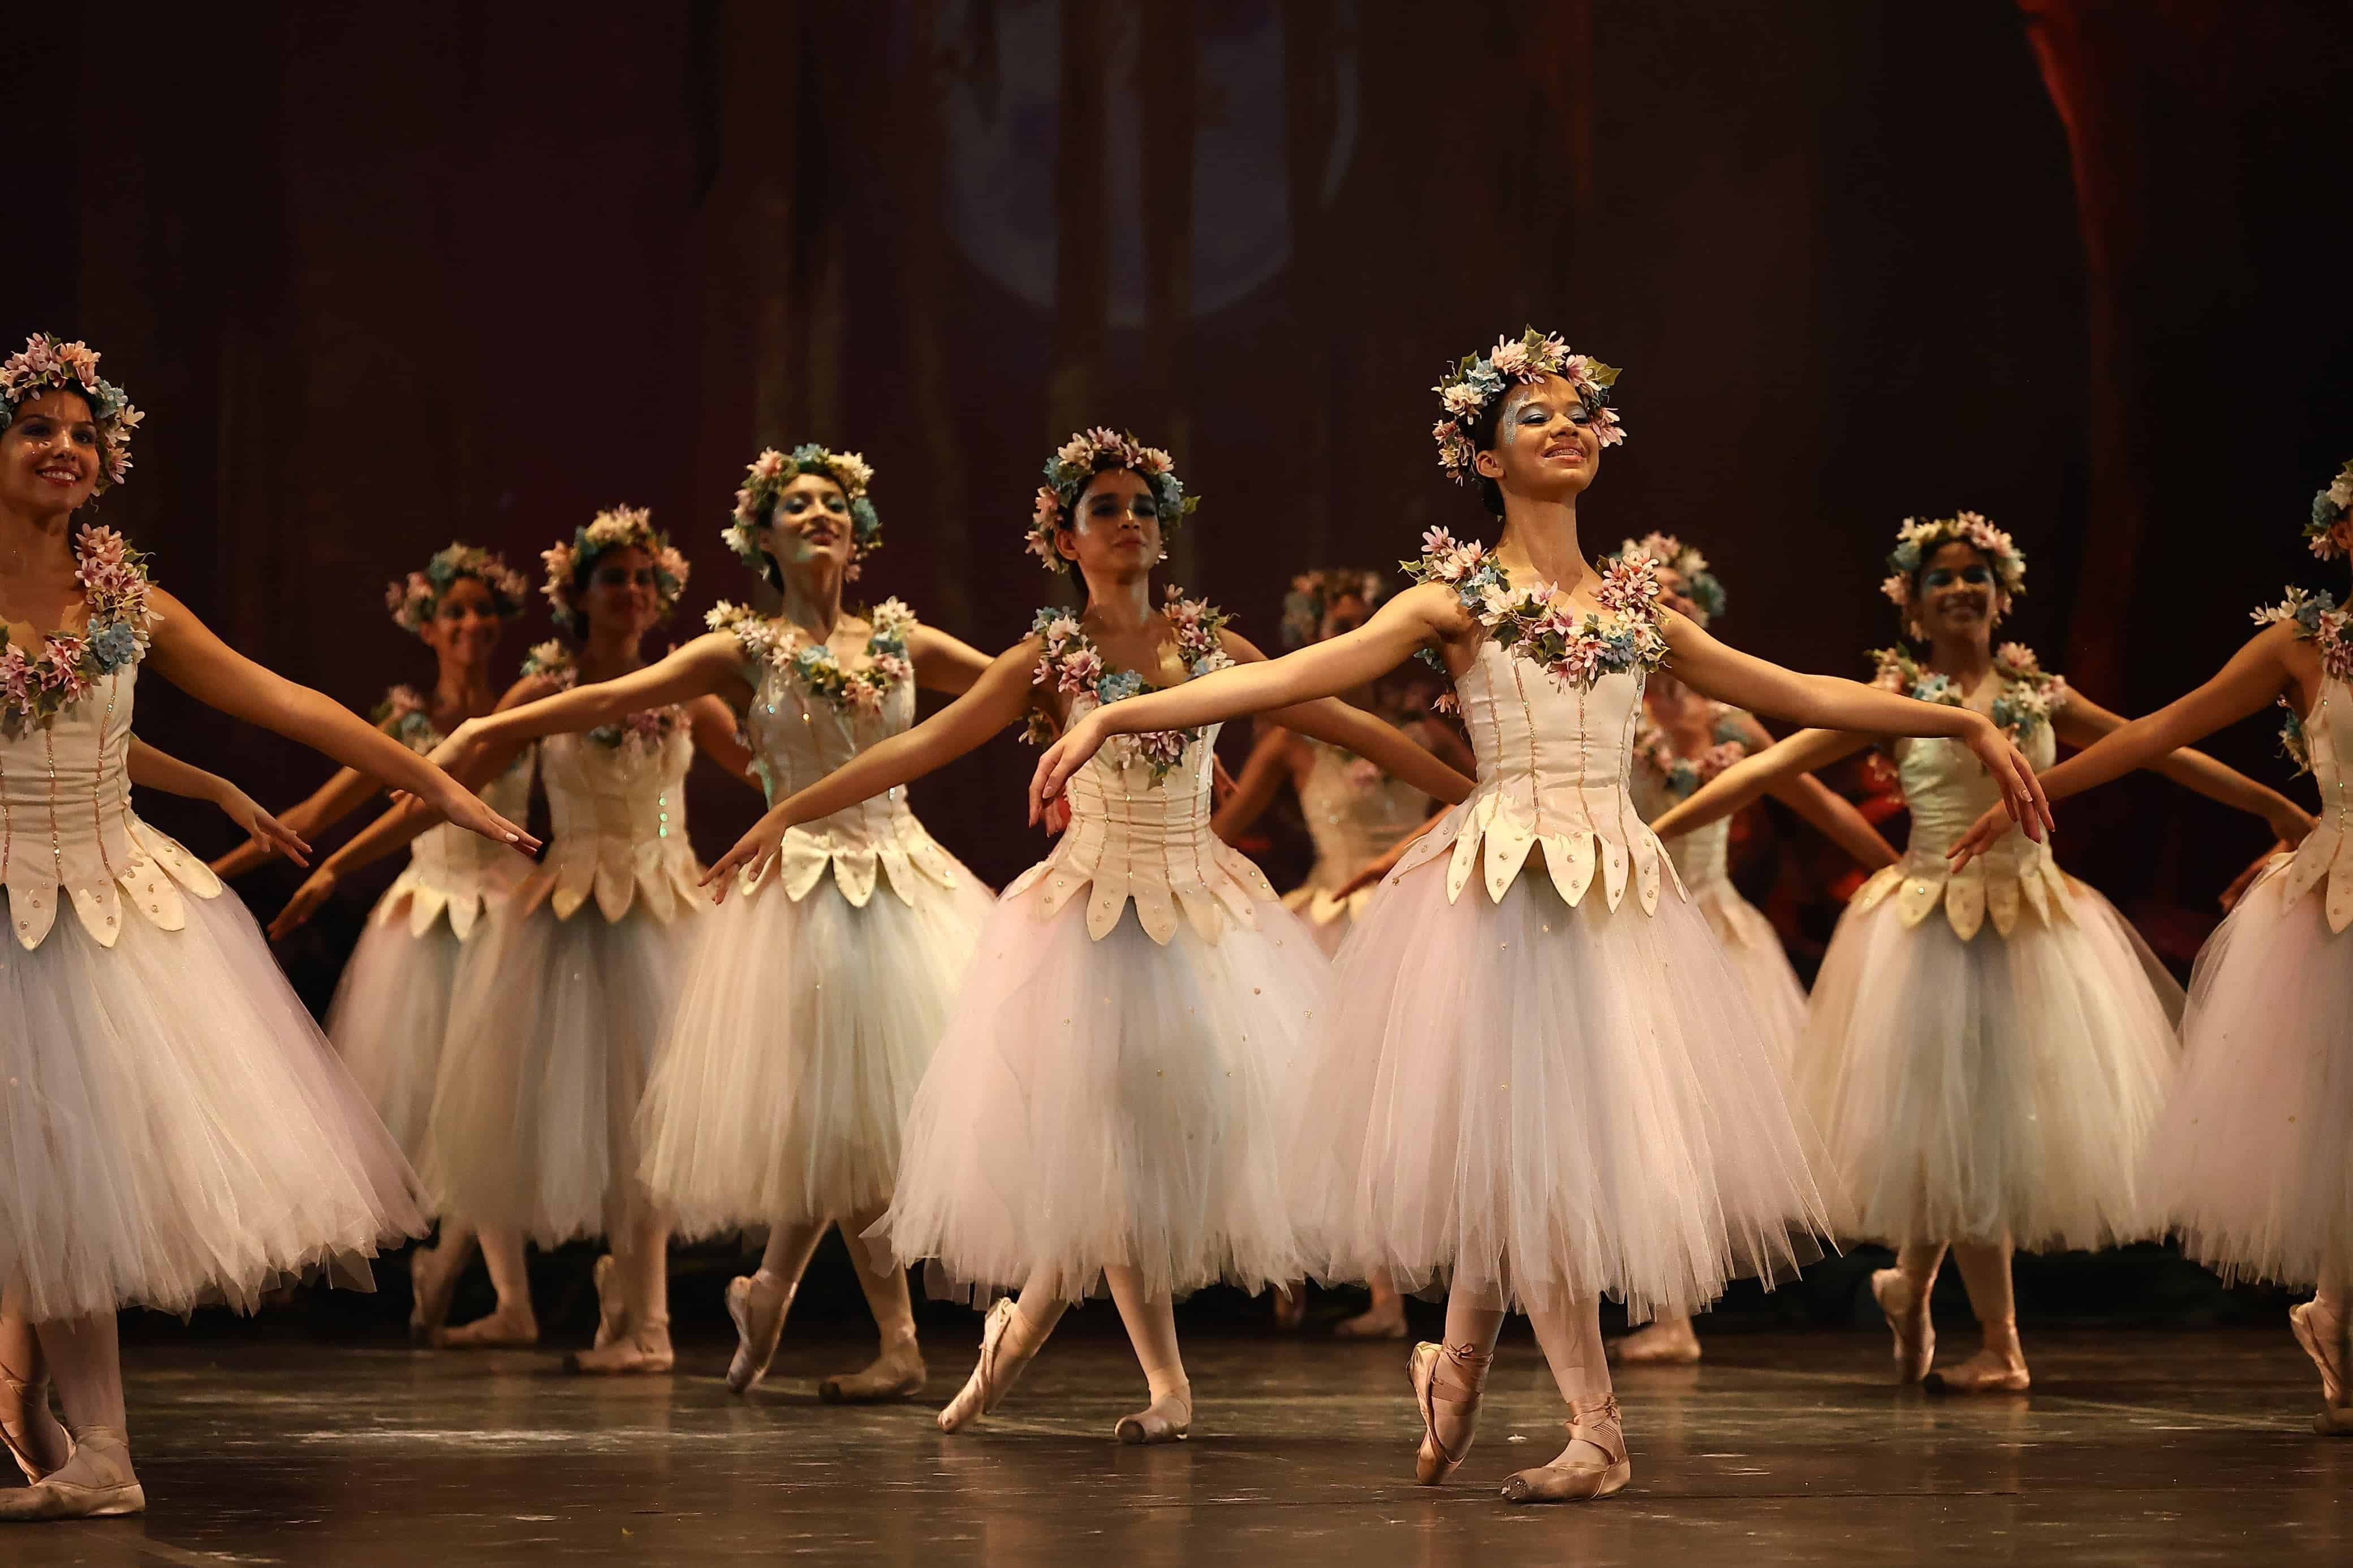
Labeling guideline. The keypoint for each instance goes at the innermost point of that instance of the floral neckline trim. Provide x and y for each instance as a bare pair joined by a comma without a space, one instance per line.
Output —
2320,621
645,730
34,688
1681,774
783,646
1073,665
411,716
1624,639
2030,694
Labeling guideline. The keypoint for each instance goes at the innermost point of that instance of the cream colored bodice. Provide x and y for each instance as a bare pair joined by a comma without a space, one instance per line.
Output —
1554,765
798,737
68,833
2325,855
616,818
456,872
1132,838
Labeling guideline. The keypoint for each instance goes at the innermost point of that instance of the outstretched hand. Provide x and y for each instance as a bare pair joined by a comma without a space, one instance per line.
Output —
464,807
2023,800
315,891
269,835
1066,756
1980,837
1376,869
756,852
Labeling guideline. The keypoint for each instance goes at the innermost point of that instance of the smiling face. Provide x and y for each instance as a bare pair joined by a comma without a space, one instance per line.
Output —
1675,594
1547,446
1954,594
810,521
50,454
1114,527
465,625
621,595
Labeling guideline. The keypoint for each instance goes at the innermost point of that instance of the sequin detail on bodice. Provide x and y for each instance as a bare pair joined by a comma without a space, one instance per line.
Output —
617,816
1132,838
797,738
2325,855
68,833
1355,814
452,871
1554,766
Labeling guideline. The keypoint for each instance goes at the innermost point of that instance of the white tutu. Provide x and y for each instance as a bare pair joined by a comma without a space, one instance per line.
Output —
1112,1101
390,1012
794,1059
554,1027
1755,949
1525,1101
2253,1158
1999,1086
174,1129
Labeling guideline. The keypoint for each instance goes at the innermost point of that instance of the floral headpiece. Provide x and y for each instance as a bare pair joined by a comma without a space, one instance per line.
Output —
1311,594
622,528
1080,459
412,600
772,471
1919,538
1465,391
1701,585
2329,508
46,365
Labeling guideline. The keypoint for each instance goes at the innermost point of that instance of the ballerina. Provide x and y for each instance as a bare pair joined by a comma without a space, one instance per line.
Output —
557,1009
815,998
1103,1106
178,1130
1556,1086
1984,1080
2249,1159
1681,741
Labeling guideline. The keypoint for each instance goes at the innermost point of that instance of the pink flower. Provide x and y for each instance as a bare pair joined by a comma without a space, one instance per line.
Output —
1079,671
1444,702
1898,588
1362,774
1437,542
1581,663
1062,629
1629,586
100,547
1165,747
768,465
892,667
15,678
1152,461
1510,358
1459,399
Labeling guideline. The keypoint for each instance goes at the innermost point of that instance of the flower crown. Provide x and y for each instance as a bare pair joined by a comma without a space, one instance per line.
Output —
2329,508
1080,459
772,471
622,528
1920,538
1465,392
1702,586
47,364
413,600
1311,594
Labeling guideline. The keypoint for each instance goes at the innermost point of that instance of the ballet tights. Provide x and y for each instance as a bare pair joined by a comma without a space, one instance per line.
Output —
502,1255
84,1361
27,1426
1151,1322
1570,1335
1461,1372
1985,1275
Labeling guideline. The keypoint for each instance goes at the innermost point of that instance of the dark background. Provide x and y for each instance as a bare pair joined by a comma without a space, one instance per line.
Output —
387,277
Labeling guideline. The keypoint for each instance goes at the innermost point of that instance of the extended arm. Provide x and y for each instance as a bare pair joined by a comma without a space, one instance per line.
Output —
151,769
483,748
1825,810
1756,775
343,793
1270,765
2083,723
944,663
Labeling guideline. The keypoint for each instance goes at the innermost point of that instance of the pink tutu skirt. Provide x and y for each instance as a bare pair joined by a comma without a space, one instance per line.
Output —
1754,950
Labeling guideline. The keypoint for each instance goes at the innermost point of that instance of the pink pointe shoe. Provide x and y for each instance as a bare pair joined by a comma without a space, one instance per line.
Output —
505,1329
1168,1419
95,1483
1908,1319
1574,1478
2323,1339
897,1374
1445,1375
612,1307
759,1318
993,1377
35,1439
1670,1344
644,1352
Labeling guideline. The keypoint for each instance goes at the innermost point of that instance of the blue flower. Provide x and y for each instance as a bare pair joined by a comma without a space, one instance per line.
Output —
866,524
808,452
2324,510
1119,685
115,645
1486,379
1935,688
1618,648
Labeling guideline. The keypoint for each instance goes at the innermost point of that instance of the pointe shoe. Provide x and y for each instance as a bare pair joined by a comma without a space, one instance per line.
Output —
429,1290
34,1428
645,1353
758,1327
1987,1371
897,1374
1578,1480
1908,1320
993,1377
97,1483
612,1307
1290,1308
1167,1419
1373,1323
2323,1339
1434,1461
1659,1344
505,1329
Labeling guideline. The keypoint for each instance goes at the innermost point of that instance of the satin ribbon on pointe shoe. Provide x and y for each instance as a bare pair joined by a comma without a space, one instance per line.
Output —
2323,1339
1598,1425
1168,1419
1433,1462
982,1392
1915,1332
53,1497
32,1403
757,1330
612,1307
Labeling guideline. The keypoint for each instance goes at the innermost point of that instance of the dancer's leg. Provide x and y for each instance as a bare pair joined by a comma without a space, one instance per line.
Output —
1447,1381
85,1364
897,1372
641,1263
27,1428
2320,1326
1384,1319
433,1273
1669,1340
759,1300
1014,1330
1152,1329
1594,1463
2000,1366
511,1324
1902,1295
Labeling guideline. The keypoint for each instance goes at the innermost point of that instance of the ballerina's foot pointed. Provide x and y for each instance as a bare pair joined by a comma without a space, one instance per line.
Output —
612,1307
759,1305
1662,1344
993,1377
2322,1335
31,1431
430,1286
645,1352
95,1483
1908,1319
897,1374
1447,1382
507,1329
1592,1467
1167,1419
1984,1372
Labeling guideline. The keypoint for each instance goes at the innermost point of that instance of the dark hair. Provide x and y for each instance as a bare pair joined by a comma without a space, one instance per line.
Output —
1483,429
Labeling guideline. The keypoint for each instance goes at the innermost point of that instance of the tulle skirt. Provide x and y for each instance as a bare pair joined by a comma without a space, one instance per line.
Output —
2000,1087
793,1061
390,1012
2253,1158
1523,1103
1754,950
1110,1102
174,1130
553,1029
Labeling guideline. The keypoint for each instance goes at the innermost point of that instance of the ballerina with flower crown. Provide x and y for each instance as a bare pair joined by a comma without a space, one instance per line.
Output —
2252,1160
558,1006
1541,1079
178,1130
1987,1048
1103,1109
816,994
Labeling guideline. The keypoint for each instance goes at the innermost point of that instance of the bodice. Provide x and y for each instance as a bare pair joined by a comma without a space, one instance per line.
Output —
2325,855
1136,837
617,820
450,871
798,736
67,830
1555,762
